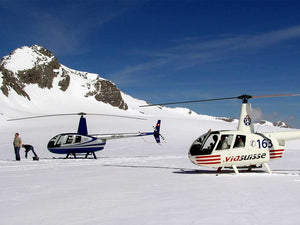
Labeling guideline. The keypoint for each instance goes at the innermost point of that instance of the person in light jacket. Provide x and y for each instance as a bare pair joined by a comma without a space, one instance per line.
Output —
17,145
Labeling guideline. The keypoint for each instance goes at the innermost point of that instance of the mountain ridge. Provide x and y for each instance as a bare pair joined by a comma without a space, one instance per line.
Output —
37,65
32,80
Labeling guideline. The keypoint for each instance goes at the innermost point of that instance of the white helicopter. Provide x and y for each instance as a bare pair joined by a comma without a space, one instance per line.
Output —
84,143
241,148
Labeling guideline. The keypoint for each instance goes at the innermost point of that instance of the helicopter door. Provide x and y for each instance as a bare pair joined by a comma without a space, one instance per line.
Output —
225,142
240,141
77,139
69,139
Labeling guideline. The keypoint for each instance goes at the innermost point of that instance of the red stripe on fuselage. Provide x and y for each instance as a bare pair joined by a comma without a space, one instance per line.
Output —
208,159
278,150
207,156
275,154
207,163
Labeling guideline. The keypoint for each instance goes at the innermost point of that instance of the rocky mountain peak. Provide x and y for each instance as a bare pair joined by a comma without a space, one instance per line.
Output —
282,124
37,65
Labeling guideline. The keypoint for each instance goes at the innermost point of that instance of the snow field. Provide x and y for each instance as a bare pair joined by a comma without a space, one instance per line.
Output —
135,181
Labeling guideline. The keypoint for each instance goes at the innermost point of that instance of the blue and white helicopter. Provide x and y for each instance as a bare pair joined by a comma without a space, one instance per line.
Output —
84,143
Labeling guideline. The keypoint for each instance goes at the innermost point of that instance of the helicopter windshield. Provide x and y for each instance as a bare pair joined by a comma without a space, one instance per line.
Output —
205,144
55,141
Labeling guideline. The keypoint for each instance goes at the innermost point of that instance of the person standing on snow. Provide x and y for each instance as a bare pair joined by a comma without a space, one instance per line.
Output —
17,145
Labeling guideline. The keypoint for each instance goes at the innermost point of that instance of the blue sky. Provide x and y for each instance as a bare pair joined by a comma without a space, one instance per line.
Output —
162,51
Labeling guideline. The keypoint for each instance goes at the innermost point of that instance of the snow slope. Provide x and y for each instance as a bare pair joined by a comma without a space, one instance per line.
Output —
135,181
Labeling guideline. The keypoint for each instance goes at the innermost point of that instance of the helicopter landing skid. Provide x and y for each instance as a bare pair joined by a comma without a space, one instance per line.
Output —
86,155
250,168
93,153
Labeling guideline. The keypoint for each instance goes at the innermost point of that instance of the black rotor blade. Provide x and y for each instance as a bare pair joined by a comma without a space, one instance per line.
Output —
243,97
183,102
77,114
127,117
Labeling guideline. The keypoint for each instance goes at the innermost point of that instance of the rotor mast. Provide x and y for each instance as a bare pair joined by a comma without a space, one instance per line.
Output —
245,98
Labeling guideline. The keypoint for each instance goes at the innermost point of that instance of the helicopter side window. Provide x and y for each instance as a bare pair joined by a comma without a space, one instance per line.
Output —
69,139
78,139
225,142
240,141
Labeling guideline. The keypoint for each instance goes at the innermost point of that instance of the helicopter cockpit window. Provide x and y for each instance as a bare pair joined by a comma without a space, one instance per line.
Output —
205,144
210,143
225,142
57,141
51,143
240,141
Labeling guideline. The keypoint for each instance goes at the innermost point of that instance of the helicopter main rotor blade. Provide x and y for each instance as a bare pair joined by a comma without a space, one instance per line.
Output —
243,97
127,117
272,96
76,114
183,102
41,116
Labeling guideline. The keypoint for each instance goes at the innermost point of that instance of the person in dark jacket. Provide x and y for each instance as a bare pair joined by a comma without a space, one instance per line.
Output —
29,148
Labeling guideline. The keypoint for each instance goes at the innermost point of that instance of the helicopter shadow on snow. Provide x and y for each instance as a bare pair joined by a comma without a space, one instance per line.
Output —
143,166
178,170
214,172
231,172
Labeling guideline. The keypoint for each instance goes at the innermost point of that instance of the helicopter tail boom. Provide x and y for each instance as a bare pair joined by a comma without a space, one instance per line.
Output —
155,133
283,136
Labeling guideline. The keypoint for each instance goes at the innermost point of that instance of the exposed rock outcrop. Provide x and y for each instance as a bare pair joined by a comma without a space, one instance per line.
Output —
37,65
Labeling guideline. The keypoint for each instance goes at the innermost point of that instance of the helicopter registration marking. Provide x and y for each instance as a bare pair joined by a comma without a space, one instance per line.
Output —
208,159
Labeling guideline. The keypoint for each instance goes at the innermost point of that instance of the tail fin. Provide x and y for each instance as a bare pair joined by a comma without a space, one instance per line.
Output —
156,133
82,127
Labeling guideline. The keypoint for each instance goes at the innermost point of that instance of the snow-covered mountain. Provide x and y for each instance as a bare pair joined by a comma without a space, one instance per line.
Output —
32,77
32,81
